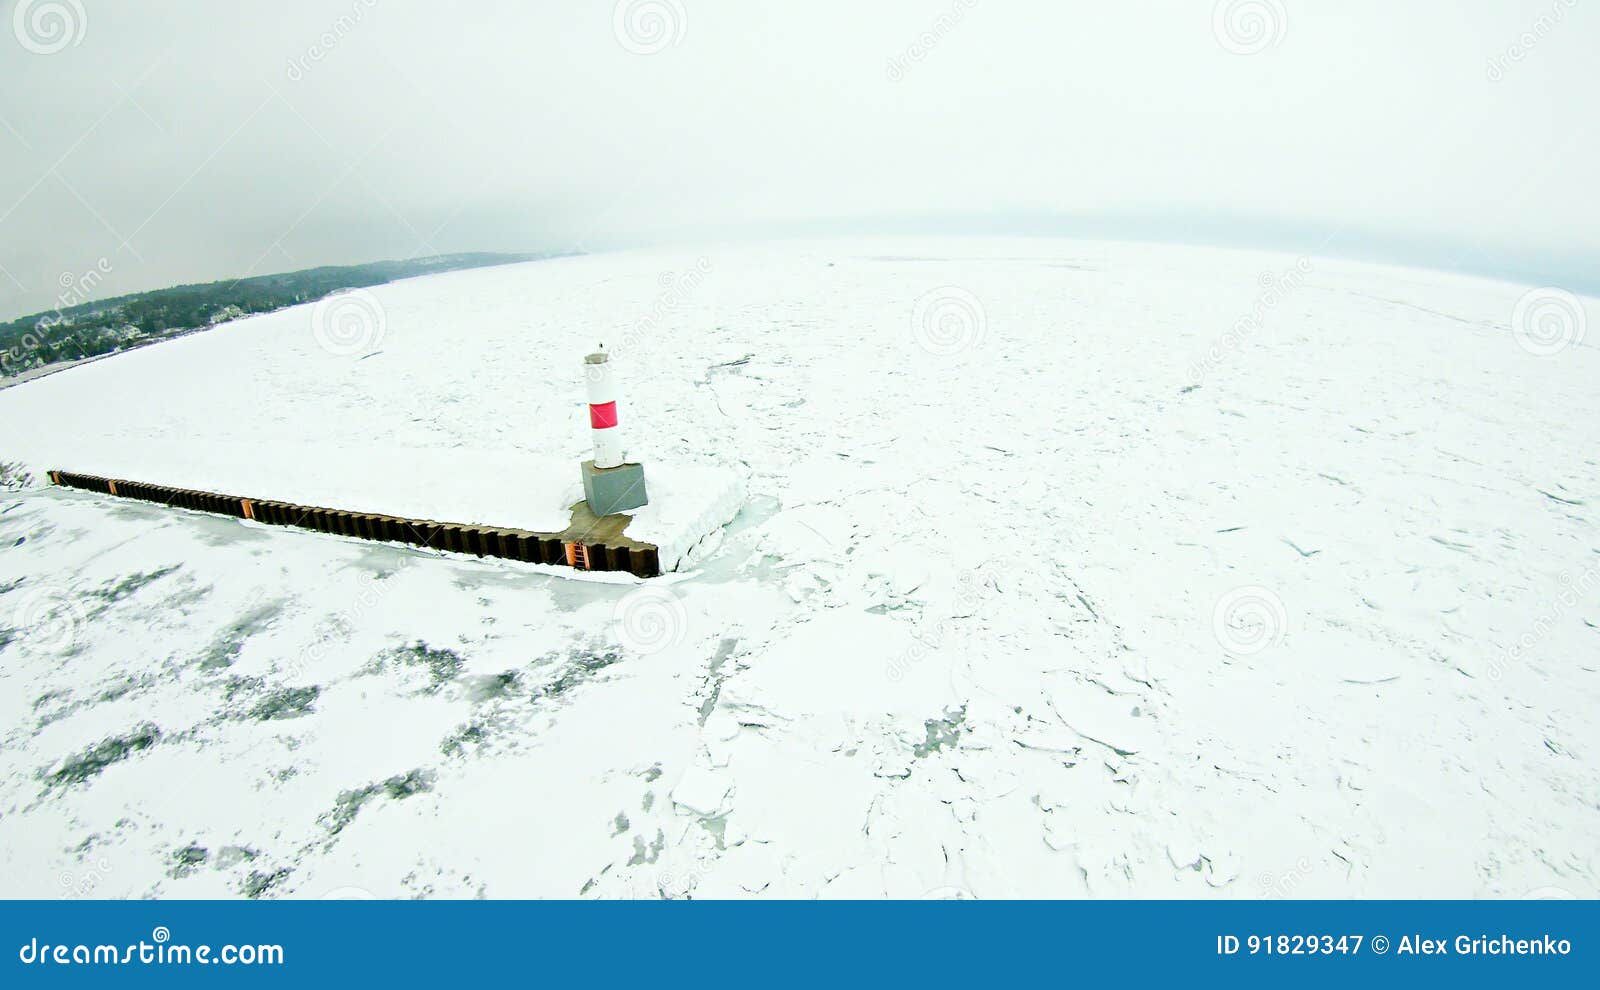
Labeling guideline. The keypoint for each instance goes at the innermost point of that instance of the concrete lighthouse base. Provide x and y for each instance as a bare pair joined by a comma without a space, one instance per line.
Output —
611,490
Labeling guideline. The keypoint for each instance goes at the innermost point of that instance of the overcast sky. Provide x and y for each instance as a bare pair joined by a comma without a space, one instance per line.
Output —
192,140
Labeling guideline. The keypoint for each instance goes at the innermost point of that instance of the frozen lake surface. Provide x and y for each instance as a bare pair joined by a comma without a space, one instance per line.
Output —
1065,569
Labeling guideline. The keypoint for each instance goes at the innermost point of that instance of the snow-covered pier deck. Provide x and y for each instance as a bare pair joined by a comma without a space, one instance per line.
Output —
590,542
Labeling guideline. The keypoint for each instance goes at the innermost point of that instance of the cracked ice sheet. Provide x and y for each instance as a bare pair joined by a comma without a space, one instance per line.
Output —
1378,456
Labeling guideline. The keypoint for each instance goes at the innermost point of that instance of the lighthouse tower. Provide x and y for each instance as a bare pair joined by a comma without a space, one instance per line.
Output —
609,484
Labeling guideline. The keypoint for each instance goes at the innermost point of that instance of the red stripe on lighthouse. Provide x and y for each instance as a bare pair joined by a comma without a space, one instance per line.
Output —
602,415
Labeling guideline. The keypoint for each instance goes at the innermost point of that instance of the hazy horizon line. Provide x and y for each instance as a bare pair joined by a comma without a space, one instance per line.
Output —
1196,230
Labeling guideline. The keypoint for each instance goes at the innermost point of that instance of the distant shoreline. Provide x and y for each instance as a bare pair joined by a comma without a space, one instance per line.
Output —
34,374
216,298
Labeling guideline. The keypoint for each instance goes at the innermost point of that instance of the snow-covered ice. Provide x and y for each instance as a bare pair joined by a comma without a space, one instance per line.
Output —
1050,577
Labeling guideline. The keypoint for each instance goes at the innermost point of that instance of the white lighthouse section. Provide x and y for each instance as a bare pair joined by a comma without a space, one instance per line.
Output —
603,422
